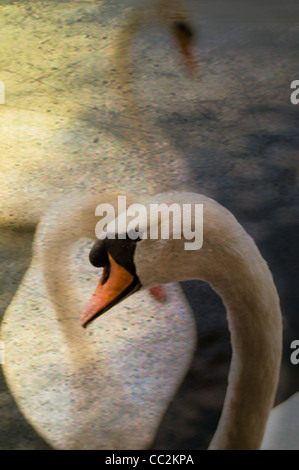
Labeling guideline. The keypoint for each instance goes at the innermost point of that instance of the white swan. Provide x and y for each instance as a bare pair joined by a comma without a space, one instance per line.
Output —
231,263
75,389
282,431
33,179
104,388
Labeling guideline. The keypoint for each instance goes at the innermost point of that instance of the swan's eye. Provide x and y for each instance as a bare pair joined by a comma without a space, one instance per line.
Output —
106,273
98,255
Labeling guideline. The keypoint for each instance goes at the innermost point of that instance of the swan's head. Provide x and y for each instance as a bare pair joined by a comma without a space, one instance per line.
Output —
183,34
171,15
180,27
143,252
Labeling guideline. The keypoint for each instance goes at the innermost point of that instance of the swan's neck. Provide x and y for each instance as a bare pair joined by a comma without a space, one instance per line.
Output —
243,280
232,264
255,326
154,151
70,220
135,128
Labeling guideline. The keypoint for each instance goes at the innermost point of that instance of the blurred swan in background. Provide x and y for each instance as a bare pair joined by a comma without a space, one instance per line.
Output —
48,154
107,387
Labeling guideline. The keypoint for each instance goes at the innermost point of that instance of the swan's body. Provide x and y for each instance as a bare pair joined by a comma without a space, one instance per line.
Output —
112,390
78,390
282,431
231,263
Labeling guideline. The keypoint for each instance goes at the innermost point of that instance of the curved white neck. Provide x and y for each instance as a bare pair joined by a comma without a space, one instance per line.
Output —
254,319
231,263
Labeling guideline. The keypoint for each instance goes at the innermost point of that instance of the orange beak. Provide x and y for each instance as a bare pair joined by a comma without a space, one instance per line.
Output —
113,287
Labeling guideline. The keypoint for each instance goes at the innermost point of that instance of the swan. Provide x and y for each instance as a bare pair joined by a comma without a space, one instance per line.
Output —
76,388
231,263
70,164
282,431
103,388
